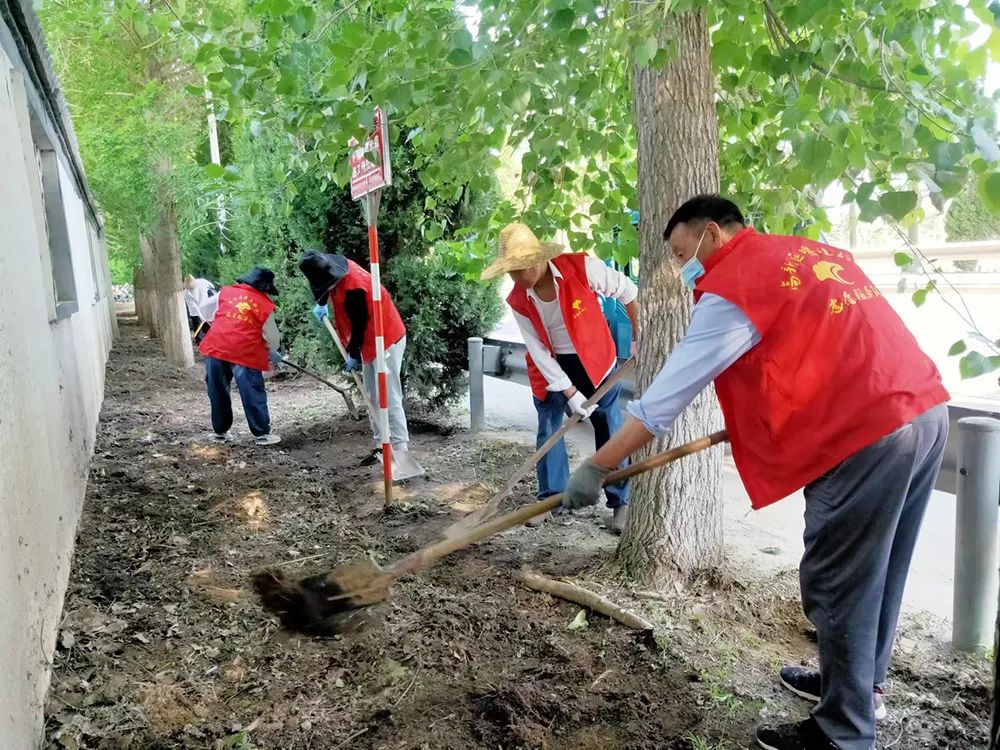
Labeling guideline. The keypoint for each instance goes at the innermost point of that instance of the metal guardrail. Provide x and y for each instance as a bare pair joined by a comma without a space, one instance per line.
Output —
506,360
950,250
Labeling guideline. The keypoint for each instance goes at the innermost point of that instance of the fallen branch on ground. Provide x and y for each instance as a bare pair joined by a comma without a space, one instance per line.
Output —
585,598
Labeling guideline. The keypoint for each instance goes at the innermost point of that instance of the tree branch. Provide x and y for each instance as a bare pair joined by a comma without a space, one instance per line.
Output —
585,598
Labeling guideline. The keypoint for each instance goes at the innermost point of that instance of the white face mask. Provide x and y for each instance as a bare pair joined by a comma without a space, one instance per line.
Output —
693,269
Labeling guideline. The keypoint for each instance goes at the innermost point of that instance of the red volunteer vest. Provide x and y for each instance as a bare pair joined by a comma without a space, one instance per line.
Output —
236,335
585,322
835,370
393,328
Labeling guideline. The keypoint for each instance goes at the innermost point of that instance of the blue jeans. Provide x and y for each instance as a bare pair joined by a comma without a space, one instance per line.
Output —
218,377
553,469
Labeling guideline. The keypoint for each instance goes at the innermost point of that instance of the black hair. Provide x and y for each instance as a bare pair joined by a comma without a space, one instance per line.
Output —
707,207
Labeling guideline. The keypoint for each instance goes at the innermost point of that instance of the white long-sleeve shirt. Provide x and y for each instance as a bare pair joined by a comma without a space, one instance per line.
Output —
719,334
601,279
198,296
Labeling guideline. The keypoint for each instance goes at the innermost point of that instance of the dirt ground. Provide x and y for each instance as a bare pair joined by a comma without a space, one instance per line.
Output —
164,646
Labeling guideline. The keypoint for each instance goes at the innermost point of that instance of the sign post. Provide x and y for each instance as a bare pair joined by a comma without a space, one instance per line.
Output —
368,179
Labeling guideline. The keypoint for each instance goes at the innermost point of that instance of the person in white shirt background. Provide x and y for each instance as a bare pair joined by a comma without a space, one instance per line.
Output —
197,292
570,348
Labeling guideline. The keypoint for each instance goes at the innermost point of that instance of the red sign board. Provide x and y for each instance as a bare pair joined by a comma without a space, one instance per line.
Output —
366,175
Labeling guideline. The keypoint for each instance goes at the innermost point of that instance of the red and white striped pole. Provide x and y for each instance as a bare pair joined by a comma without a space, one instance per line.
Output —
381,373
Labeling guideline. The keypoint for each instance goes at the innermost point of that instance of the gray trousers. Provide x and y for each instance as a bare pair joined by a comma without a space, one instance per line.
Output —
399,434
862,519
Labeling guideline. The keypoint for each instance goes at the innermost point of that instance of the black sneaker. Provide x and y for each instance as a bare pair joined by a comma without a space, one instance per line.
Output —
806,735
805,683
375,457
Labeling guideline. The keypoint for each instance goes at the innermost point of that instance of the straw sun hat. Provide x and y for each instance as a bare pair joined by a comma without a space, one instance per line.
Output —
520,249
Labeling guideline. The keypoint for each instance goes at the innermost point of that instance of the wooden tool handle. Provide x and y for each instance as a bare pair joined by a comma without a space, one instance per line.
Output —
351,408
427,556
482,514
343,353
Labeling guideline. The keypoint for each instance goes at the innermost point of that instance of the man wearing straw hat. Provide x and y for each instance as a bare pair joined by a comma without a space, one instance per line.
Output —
570,349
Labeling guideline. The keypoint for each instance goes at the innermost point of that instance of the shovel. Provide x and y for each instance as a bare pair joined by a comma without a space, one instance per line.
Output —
314,605
351,408
480,515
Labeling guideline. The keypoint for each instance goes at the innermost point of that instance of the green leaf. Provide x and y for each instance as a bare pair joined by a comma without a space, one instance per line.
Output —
214,171
919,297
286,84
974,364
957,348
462,40
986,143
276,7
459,57
898,203
354,34
646,50
303,20
989,190
578,37
902,259
562,19
726,53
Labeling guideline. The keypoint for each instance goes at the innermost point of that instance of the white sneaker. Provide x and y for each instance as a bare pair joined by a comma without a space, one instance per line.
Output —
220,438
268,439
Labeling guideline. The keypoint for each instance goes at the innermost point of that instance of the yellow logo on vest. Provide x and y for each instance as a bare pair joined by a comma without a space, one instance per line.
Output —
242,307
578,308
825,270
797,260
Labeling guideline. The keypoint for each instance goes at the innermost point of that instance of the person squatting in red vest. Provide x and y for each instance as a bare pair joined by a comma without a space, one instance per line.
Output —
242,343
342,291
823,387
570,349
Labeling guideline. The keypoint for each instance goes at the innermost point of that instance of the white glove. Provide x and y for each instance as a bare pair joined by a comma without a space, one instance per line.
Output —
575,405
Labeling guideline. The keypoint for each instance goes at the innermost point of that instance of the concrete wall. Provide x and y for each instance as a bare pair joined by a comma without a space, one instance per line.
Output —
52,361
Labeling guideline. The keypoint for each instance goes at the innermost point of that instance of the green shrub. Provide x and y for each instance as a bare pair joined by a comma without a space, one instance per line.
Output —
969,220
440,306
441,310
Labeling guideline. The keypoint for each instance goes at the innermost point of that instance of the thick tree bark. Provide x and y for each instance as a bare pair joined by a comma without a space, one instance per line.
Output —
170,310
147,300
138,296
162,272
675,525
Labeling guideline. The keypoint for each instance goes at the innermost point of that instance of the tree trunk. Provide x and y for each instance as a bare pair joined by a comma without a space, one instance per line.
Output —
141,297
170,310
149,306
675,523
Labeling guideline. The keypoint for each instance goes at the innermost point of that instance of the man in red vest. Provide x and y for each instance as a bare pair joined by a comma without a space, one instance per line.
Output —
822,386
242,343
570,349
346,286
